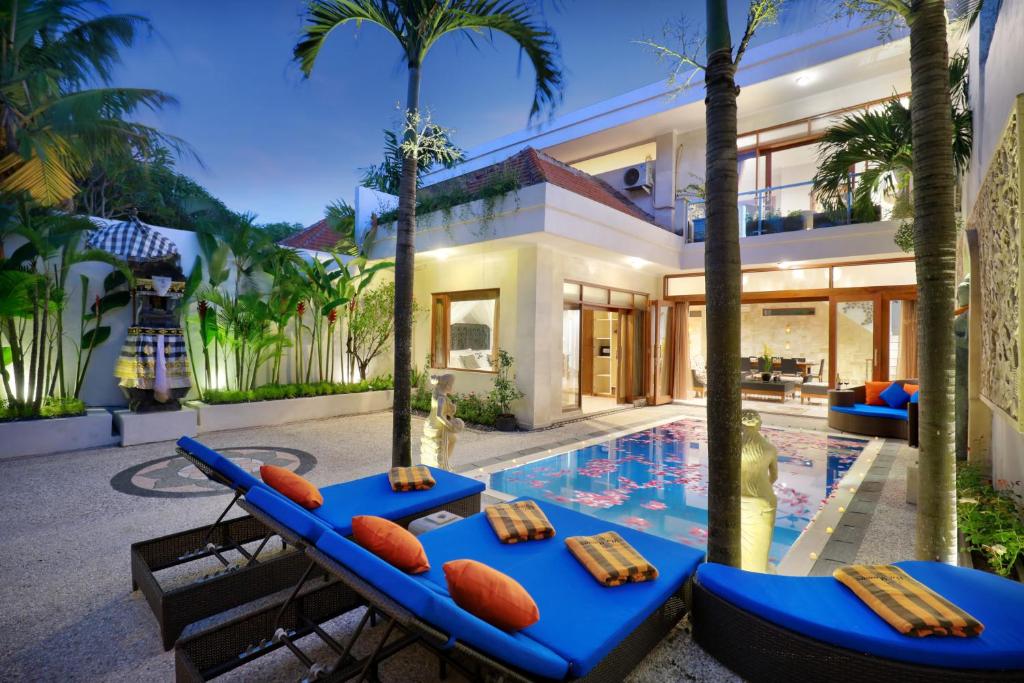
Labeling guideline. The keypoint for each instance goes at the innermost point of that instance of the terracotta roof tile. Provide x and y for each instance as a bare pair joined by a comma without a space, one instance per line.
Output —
317,237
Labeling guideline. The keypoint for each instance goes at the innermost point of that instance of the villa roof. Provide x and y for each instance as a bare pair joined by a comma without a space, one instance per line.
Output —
533,167
317,237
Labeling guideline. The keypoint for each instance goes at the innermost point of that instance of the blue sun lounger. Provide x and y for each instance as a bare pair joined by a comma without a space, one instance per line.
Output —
238,583
787,628
586,631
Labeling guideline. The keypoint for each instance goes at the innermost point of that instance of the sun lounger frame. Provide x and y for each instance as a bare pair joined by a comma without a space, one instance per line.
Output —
244,578
758,650
238,637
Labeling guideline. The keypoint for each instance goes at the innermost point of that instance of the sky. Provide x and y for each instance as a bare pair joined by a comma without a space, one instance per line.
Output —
282,146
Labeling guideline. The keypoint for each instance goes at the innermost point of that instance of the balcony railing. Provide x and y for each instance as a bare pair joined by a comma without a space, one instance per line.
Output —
771,210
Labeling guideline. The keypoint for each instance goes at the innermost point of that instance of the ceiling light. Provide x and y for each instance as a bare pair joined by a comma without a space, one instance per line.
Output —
636,262
804,79
784,265
442,254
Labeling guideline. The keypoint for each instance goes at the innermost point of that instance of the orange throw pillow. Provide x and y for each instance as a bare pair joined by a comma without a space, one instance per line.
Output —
391,543
873,393
496,598
291,486
911,388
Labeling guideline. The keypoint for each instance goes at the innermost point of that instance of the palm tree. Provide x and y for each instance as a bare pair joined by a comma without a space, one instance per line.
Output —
882,139
931,109
52,125
417,25
723,272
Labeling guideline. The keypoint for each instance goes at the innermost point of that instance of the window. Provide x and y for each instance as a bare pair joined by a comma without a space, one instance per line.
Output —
464,330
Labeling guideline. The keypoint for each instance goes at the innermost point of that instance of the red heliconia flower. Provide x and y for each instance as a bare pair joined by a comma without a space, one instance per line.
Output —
203,307
300,308
332,317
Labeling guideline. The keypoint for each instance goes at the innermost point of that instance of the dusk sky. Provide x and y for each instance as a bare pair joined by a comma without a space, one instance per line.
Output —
284,147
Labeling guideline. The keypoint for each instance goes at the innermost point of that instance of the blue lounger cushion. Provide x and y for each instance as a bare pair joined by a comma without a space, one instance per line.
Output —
873,411
821,608
239,478
415,594
290,515
580,619
373,496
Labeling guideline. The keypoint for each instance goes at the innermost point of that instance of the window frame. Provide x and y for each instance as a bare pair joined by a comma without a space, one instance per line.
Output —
444,300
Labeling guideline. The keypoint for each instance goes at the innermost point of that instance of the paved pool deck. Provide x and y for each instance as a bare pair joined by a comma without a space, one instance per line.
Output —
68,610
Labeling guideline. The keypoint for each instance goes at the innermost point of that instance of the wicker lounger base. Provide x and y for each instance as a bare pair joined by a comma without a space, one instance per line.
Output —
240,583
758,650
233,640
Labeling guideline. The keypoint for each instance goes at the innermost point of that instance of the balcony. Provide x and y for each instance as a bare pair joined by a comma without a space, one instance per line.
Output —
773,210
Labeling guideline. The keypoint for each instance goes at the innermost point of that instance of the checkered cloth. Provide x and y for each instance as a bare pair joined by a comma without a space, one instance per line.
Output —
137,366
415,478
610,559
520,521
133,240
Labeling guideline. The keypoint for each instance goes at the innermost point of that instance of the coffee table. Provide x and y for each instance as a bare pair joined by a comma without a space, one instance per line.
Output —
779,390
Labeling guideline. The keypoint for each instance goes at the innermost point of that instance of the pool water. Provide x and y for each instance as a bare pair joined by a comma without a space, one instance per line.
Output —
656,480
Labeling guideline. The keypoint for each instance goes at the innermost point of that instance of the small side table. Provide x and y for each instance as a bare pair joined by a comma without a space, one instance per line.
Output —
433,521
840,397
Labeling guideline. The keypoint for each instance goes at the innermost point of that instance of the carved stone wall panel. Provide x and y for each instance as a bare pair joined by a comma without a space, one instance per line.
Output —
997,218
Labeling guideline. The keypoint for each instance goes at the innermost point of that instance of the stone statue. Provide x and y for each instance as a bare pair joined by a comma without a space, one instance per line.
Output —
758,471
441,427
961,323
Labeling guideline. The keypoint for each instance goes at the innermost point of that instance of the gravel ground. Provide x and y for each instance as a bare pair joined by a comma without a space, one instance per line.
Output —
68,610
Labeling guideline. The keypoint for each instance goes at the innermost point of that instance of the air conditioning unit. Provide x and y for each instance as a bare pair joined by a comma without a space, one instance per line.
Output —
639,177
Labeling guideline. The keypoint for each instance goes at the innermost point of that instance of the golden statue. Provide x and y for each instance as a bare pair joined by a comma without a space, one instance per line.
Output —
758,471
441,427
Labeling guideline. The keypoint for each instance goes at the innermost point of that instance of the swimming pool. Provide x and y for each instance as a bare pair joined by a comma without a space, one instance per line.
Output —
655,480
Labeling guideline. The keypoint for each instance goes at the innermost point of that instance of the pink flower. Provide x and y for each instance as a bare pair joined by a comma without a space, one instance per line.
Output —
653,505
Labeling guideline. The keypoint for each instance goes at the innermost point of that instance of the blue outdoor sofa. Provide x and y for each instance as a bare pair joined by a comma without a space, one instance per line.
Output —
257,576
848,412
586,631
787,628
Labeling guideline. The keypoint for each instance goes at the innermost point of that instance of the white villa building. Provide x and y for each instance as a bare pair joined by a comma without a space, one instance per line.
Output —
591,272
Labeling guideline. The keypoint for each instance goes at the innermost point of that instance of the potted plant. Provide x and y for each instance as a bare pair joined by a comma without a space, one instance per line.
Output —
766,364
504,393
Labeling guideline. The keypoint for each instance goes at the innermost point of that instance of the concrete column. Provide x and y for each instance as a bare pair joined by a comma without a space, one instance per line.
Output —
664,198
539,336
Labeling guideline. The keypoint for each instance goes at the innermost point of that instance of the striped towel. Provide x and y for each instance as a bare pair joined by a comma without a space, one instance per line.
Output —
415,478
519,521
905,603
610,559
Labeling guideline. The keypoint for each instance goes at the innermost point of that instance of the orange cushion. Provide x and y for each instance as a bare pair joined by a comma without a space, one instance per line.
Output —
496,598
291,486
910,388
391,543
873,393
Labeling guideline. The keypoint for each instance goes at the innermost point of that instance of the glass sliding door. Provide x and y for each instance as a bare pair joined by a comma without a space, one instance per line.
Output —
659,353
856,352
571,326
902,339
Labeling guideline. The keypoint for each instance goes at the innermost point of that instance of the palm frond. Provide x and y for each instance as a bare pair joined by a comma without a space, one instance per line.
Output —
324,16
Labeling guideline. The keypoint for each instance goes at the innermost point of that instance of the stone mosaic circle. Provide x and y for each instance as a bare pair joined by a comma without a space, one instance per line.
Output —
175,477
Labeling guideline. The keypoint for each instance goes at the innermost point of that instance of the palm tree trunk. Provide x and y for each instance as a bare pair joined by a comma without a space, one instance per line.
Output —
405,259
722,268
935,255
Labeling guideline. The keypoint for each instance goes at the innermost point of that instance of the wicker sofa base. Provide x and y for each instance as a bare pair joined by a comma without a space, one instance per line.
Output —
887,428
237,584
758,650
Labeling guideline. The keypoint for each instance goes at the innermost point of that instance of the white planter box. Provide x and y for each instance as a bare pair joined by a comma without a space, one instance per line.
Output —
36,437
136,428
213,418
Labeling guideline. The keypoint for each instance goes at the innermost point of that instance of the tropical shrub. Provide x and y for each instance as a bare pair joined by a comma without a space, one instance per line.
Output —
275,392
52,407
991,521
